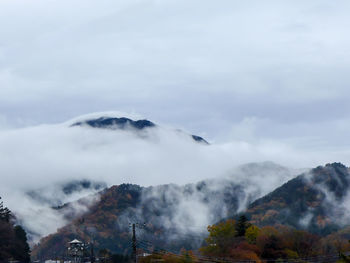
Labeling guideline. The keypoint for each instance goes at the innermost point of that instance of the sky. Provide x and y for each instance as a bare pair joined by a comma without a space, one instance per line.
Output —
260,80
245,71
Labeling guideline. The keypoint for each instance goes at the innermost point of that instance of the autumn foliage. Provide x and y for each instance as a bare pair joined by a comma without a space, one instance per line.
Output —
270,242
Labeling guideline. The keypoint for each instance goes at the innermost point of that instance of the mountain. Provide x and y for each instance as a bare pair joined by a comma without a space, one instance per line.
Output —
116,123
98,147
123,123
176,216
317,201
164,208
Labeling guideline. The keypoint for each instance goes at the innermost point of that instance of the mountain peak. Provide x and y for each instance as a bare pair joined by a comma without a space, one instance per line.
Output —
115,123
123,123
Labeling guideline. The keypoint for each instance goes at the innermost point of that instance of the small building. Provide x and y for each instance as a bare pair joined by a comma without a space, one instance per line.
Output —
76,250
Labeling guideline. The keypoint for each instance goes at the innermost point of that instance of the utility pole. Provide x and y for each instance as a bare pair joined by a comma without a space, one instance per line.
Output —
134,256
133,243
92,256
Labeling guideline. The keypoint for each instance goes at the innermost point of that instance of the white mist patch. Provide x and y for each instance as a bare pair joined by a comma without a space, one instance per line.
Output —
258,179
332,184
340,209
181,208
344,209
38,219
40,216
306,220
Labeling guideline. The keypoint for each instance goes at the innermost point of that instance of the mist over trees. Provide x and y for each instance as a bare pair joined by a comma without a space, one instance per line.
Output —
13,238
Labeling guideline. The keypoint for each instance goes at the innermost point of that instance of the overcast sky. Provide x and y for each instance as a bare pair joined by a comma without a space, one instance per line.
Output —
251,71
260,80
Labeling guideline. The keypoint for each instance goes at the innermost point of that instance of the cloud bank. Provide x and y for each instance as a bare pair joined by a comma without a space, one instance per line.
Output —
42,157
42,154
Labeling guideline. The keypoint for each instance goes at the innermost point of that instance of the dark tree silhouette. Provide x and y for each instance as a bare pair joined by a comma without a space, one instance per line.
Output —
22,252
241,226
13,239
5,213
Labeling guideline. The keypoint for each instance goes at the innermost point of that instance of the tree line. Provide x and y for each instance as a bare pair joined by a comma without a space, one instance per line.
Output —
239,240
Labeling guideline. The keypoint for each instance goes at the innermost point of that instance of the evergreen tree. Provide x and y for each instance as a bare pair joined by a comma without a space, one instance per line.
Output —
22,252
5,213
13,239
241,226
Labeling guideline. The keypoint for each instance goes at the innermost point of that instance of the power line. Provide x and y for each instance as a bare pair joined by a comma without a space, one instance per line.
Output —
134,242
200,258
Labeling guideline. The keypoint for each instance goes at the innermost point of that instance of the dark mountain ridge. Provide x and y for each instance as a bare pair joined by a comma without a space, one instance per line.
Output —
123,123
116,123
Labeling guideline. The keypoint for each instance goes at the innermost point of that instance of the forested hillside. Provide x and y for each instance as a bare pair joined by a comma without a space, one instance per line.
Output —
313,203
164,208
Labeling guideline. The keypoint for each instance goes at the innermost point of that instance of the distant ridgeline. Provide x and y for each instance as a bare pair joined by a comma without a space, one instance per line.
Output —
13,238
315,201
123,123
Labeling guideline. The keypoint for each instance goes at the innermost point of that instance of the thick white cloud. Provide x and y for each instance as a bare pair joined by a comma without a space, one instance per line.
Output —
42,154
45,156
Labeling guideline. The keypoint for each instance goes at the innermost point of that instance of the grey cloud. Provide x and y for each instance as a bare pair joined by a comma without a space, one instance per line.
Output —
44,157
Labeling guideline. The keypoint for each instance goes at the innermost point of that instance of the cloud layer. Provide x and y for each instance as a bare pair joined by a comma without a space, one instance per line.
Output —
46,156
42,158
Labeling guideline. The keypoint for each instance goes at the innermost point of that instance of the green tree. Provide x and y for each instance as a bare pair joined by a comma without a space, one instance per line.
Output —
220,239
251,234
